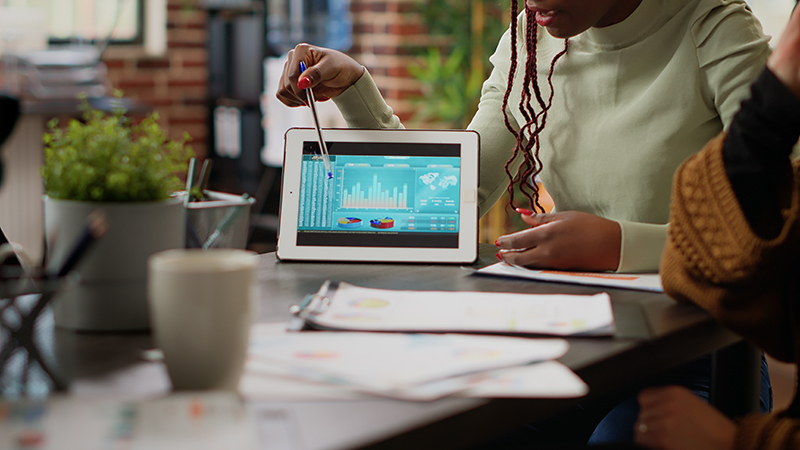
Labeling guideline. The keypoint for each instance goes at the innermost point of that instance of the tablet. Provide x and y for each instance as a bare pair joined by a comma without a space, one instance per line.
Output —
395,196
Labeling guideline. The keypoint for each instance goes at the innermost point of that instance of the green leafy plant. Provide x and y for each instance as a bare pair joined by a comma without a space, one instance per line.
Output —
107,158
451,73
449,91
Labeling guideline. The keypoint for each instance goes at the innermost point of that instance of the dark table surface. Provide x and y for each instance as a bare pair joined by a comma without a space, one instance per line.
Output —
654,333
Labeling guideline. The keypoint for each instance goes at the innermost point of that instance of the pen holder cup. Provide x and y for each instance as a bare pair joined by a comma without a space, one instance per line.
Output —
220,221
26,343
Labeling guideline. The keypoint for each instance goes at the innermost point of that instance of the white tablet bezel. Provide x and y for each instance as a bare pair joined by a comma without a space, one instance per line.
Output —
467,249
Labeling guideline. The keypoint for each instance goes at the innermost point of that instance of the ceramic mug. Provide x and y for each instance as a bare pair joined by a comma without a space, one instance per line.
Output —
200,308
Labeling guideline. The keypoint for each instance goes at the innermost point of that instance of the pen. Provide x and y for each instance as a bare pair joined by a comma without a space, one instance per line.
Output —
312,104
96,227
223,224
190,180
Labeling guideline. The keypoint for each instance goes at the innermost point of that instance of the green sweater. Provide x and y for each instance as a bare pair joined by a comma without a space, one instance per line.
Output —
632,101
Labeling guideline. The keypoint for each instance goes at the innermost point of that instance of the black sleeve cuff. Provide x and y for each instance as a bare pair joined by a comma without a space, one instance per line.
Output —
758,144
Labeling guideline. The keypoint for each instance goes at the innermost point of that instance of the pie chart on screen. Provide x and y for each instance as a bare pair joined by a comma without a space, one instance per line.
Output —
349,222
387,222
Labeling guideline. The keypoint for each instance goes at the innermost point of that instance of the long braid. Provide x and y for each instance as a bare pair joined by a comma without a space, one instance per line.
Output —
531,164
511,72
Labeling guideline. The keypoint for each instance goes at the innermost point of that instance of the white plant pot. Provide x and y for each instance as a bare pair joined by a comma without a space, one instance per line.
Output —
111,294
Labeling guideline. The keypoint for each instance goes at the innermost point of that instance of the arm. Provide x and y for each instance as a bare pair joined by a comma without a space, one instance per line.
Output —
762,135
333,75
673,418
362,106
719,253
731,50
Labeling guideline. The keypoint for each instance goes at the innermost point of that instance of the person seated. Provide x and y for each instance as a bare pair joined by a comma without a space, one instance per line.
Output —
601,99
734,250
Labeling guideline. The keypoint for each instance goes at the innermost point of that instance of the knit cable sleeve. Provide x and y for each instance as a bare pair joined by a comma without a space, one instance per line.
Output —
714,259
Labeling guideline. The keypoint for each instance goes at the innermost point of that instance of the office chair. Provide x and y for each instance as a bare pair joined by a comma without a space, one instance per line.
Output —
9,114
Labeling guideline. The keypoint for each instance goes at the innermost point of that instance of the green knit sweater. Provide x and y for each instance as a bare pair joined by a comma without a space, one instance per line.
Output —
713,258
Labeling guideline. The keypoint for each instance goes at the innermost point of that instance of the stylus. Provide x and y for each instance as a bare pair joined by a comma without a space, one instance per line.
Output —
311,104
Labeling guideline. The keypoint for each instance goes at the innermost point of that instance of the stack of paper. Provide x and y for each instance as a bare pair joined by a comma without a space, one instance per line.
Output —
410,366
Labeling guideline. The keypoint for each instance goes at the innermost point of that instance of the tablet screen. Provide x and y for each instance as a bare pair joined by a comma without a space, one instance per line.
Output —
385,194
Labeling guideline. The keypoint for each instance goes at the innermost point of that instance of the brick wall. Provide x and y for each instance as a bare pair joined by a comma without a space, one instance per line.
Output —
385,35
386,32
176,84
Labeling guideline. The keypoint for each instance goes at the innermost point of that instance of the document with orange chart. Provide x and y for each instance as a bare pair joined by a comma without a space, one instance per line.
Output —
350,307
320,366
638,281
414,366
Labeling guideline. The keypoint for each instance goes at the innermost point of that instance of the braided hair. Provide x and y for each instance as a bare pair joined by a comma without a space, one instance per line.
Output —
531,165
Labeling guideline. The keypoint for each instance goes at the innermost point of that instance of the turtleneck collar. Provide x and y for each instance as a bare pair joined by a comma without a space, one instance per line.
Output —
629,31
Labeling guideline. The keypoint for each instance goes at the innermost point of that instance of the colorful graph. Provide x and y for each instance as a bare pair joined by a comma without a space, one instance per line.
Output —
386,222
349,222
376,196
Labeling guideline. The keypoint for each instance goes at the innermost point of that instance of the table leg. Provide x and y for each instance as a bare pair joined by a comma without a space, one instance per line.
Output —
736,379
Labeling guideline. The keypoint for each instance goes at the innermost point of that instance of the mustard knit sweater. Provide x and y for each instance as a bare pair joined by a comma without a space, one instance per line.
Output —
750,284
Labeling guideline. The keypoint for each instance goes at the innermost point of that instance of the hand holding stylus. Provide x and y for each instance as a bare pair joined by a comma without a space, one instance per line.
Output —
329,73
312,103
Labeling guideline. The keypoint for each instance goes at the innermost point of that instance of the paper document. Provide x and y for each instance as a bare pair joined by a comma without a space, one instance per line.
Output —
209,420
638,281
351,307
547,379
412,366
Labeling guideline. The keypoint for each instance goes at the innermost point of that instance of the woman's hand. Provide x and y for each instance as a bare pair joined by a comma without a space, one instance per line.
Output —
672,417
328,72
563,240
785,60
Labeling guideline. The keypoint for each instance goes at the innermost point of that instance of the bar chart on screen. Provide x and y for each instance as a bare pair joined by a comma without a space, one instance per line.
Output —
375,193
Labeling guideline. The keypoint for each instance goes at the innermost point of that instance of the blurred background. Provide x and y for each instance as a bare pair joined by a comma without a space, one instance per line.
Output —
209,68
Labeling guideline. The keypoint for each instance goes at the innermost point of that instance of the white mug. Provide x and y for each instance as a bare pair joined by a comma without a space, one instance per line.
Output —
200,303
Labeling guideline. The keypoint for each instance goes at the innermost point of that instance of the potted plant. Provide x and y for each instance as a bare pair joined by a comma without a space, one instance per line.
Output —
127,171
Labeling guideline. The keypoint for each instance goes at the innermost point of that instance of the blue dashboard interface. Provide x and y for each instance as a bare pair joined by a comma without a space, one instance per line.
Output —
381,195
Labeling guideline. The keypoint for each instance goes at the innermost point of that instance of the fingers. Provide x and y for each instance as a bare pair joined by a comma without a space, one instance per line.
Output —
289,93
525,248
655,410
524,239
293,81
535,220
328,73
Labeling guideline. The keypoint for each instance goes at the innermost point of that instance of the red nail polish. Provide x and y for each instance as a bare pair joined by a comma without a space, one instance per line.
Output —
524,212
322,98
499,257
496,243
304,83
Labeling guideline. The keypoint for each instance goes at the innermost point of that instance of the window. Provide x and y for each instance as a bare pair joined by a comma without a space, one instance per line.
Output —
90,20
